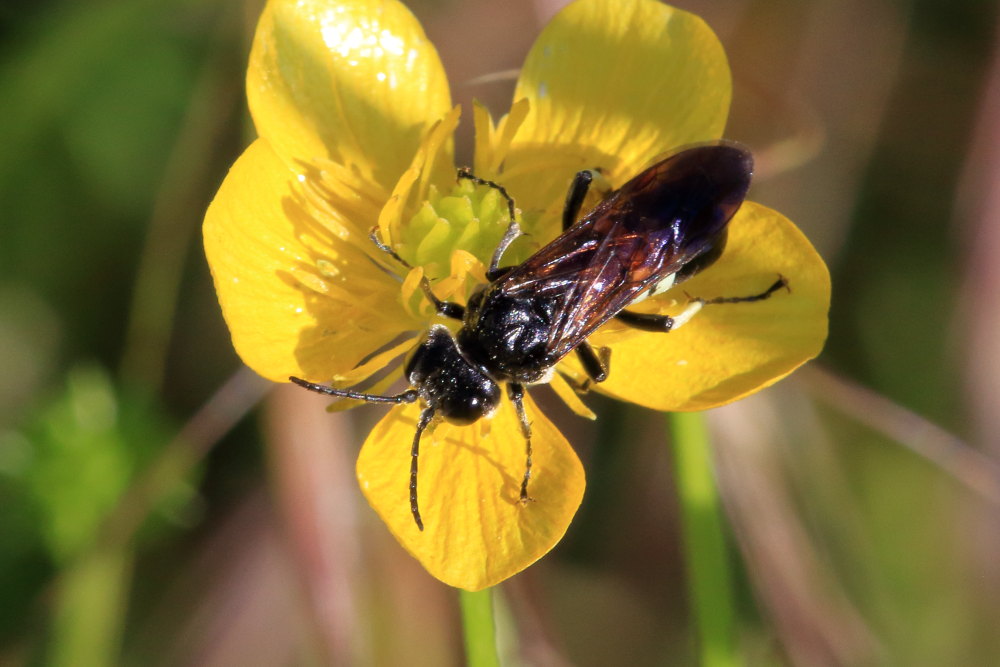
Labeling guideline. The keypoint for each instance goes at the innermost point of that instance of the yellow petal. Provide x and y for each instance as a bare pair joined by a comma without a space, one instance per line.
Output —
613,85
569,396
492,143
477,532
375,364
356,82
426,166
483,123
728,350
298,300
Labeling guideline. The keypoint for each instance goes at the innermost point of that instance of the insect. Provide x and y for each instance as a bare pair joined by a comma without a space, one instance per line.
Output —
665,225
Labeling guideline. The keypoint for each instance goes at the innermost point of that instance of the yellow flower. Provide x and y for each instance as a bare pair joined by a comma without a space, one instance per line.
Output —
355,122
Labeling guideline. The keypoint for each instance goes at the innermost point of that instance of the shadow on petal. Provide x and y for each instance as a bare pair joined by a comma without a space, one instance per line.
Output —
477,532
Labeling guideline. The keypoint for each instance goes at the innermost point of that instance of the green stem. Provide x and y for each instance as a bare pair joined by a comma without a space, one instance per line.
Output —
710,586
479,628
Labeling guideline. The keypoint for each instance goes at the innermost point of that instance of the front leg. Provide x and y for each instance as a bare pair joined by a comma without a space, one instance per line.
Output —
513,229
446,308
455,311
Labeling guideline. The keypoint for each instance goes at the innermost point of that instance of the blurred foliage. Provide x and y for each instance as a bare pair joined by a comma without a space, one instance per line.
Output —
91,92
78,454
118,119
93,97
64,472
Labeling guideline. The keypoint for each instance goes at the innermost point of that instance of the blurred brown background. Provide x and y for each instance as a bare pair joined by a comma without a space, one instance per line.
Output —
160,506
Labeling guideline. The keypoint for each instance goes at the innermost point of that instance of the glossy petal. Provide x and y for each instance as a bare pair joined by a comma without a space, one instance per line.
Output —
298,300
356,82
477,533
613,85
728,350
353,111
426,167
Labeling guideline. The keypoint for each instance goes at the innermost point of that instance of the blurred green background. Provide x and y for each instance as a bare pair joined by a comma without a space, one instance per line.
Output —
159,505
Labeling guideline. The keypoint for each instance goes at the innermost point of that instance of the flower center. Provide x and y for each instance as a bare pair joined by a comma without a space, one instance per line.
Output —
470,217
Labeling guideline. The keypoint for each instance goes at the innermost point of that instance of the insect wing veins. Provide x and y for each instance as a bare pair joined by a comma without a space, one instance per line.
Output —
634,241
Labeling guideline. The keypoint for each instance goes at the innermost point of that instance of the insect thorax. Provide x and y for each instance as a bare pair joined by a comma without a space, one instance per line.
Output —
508,336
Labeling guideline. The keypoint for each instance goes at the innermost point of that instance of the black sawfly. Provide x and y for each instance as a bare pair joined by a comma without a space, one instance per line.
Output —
665,225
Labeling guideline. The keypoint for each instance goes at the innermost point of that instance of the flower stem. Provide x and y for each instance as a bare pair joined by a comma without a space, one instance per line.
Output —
709,577
479,628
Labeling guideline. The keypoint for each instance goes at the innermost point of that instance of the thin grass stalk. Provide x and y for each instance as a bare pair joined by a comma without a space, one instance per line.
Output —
710,580
479,628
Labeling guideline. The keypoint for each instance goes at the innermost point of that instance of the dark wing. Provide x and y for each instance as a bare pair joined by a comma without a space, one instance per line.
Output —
644,232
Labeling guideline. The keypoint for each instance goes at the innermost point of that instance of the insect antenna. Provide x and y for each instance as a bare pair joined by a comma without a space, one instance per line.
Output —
425,418
408,396
513,229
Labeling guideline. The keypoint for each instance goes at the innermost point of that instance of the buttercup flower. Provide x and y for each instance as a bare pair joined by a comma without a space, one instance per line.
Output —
355,122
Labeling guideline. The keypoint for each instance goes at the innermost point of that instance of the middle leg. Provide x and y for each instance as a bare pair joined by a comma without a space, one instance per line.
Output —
577,192
596,362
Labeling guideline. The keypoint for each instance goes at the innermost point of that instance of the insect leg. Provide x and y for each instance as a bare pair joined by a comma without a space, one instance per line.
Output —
455,311
495,274
385,247
595,362
658,323
446,308
574,197
577,192
515,391
425,419
664,323
778,284
408,396
513,229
